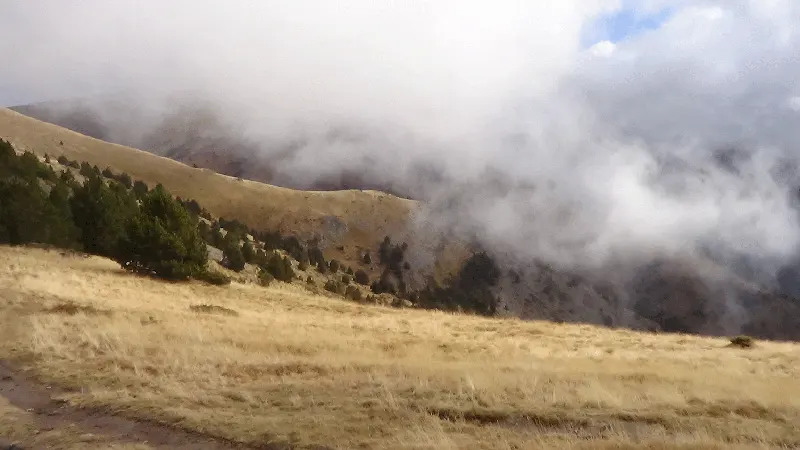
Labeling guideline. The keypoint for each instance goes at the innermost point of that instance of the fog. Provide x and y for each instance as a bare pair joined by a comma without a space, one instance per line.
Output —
549,142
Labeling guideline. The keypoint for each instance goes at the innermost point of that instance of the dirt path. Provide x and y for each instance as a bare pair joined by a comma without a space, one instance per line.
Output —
24,393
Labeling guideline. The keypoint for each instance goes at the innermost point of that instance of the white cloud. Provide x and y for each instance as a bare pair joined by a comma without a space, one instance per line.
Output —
603,48
449,81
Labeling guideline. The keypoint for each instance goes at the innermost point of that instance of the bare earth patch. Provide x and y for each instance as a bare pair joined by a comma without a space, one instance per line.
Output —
213,309
35,408
742,342
301,370
71,309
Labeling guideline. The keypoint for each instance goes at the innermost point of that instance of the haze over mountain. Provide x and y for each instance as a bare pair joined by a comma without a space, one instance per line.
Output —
553,132
193,134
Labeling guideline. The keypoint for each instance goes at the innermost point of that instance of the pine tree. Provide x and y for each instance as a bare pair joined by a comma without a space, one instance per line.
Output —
27,213
316,258
25,166
162,239
125,180
334,266
384,249
292,246
234,257
8,157
303,260
280,268
261,258
302,265
217,239
205,232
64,232
88,171
101,214
68,179
361,277
24,212
248,252
140,189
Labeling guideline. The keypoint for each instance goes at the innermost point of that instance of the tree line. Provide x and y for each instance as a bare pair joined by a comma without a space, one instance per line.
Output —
148,231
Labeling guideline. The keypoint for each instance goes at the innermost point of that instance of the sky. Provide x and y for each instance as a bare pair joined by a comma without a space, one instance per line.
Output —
617,25
624,23
614,109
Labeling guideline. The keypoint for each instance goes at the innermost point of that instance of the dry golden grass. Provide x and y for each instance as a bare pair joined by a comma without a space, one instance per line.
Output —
312,370
368,215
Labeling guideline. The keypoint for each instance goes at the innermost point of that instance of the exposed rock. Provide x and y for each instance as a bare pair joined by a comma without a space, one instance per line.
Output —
333,228
215,254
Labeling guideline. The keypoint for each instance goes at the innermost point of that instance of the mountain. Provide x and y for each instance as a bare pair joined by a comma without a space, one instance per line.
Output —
691,294
350,220
194,134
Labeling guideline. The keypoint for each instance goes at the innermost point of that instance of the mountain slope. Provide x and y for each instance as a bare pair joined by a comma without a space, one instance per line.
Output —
351,219
193,133
287,366
679,295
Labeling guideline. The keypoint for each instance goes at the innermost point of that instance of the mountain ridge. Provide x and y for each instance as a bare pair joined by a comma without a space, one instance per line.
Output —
675,296
367,216
194,135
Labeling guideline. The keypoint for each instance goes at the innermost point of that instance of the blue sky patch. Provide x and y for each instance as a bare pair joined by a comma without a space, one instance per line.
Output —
624,24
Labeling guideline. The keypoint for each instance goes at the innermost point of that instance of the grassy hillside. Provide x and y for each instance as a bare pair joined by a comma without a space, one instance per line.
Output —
352,219
279,364
671,295
195,133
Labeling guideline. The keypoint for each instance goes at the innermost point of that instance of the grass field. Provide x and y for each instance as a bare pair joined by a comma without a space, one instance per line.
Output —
281,364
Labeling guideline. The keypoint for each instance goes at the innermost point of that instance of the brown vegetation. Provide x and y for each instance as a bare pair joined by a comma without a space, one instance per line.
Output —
301,368
351,219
